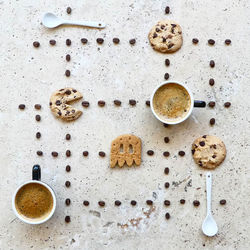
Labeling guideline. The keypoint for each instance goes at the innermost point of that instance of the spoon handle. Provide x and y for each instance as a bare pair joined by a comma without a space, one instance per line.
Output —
99,25
209,191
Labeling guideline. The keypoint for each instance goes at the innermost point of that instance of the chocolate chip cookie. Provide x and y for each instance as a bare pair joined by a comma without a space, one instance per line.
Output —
208,151
166,36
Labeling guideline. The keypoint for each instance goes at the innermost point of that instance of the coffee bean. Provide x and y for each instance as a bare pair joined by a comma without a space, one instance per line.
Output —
211,82
101,203
85,104
166,76
67,202
149,202
150,152
166,154
223,202
167,62
132,102
67,73
54,154
211,104
165,125
211,42
84,40
38,135
147,103
182,201
212,121
195,40
68,168
166,139
38,118
166,170
167,203
67,183
117,203
36,44
133,202
85,203
202,143
68,57
68,10
37,106
101,103
116,40
117,102
166,184
227,41
52,42
85,153
132,41
181,153
167,10
167,216
68,137
196,203
67,219
40,153
102,154
212,63
68,42
227,104
21,106
100,40
68,153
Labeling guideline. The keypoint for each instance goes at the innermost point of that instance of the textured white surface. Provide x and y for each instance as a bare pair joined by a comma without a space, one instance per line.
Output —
124,72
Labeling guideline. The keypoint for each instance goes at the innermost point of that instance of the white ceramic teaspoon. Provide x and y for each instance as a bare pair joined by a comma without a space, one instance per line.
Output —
209,226
52,21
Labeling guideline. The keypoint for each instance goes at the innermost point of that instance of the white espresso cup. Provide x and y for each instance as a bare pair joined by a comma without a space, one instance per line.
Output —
36,176
193,103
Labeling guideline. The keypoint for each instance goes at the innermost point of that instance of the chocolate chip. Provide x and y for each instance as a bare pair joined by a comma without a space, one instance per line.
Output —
36,44
227,41
85,153
212,121
37,106
60,113
157,30
68,168
21,106
50,103
170,45
223,202
211,104
167,10
167,216
84,40
116,40
149,202
85,104
211,82
117,102
38,118
54,154
150,152
67,73
68,10
68,136
68,42
38,135
132,102
67,202
181,153
40,153
132,41
166,154
167,62
166,170
58,102
195,40
164,39
212,63
52,42
166,76
100,40
182,201
167,203
117,203
204,136
214,156
68,92
102,154
211,42
227,104
166,184
133,202
196,203
68,57
155,35
85,203
101,203
67,183
101,103
166,139
193,151
67,219
68,153
202,143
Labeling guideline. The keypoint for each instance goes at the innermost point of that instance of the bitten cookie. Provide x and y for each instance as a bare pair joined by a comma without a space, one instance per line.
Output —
125,149
208,151
166,36
59,104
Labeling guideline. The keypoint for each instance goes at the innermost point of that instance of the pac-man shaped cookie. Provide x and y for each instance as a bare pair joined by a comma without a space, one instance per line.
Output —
59,104
125,149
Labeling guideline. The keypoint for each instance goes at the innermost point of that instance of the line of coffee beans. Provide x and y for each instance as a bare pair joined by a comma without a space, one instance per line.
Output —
211,42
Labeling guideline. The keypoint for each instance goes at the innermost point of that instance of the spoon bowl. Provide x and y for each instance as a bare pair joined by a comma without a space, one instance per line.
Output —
51,21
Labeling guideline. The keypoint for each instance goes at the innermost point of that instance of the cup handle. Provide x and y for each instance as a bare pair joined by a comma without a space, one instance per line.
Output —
36,173
199,104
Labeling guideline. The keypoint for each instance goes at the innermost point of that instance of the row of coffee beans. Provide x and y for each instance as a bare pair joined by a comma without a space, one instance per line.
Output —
211,42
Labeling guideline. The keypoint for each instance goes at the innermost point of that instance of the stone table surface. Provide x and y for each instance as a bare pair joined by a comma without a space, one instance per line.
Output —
106,72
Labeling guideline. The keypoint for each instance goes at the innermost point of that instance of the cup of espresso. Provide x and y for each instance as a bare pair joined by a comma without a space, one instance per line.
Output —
34,202
172,102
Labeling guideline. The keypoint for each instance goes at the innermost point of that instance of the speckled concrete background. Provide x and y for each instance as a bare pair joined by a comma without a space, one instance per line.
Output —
124,72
